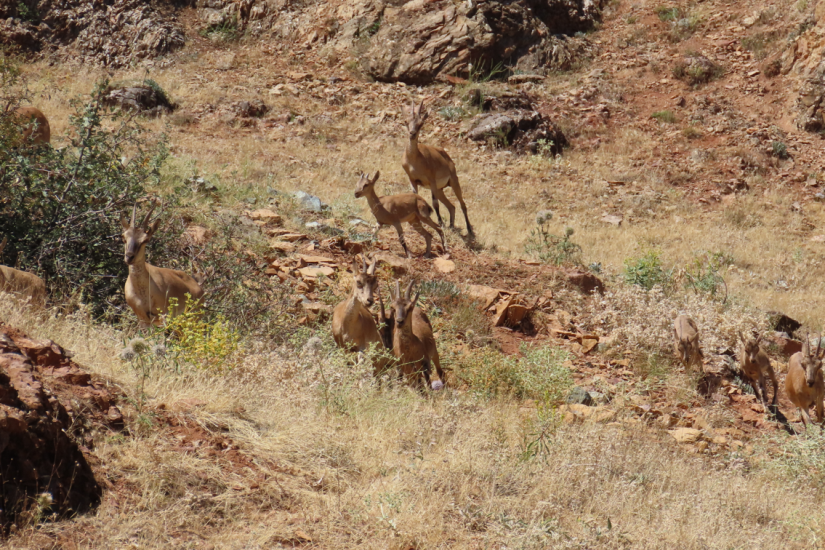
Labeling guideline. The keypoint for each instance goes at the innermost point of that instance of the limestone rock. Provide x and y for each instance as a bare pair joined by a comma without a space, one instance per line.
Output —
444,265
685,435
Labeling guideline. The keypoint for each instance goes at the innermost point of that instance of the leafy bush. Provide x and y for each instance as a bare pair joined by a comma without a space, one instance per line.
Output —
646,271
703,273
551,248
540,374
199,342
60,208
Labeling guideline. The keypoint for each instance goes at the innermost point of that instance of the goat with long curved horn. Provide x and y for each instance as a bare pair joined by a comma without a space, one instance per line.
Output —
804,383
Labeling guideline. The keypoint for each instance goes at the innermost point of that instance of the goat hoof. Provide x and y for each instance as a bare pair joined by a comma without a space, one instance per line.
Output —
428,255
437,385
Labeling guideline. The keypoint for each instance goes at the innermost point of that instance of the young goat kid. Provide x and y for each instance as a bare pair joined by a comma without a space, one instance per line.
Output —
22,284
409,350
353,326
423,330
397,209
687,341
804,382
432,167
756,366
149,288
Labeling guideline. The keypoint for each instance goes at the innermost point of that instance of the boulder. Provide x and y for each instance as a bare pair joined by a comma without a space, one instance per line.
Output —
309,202
579,396
524,130
145,100
685,435
418,42
49,411
444,265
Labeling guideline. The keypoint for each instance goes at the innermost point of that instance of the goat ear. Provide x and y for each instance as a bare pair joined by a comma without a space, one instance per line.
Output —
373,180
123,221
371,269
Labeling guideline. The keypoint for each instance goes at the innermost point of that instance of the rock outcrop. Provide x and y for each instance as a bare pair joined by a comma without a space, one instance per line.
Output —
49,410
107,33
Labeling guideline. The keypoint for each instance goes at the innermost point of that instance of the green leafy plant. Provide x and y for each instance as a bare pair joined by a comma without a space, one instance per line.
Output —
206,344
703,273
453,113
646,271
28,13
550,248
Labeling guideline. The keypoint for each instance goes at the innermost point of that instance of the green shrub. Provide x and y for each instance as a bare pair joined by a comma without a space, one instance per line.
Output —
646,271
540,374
60,209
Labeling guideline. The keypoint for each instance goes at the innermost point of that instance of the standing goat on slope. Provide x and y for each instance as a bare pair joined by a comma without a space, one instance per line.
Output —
432,167
397,209
804,382
149,288
686,342
21,283
756,366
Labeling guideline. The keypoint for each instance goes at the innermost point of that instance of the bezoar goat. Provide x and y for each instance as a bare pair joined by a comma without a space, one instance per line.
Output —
22,284
35,125
149,289
686,342
353,326
756,366
804,382
413,341
432,167
397,209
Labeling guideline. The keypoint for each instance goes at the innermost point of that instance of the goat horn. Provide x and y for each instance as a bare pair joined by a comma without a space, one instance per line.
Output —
364,262
371,269
421,106
134,213
397,288
148,214
409,289
818,344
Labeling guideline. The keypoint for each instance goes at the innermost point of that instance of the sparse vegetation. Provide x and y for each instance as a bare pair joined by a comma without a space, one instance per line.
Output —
551,248
779,150
664,116
696,70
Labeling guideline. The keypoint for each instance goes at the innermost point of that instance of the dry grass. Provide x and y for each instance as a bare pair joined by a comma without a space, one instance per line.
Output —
328,456
324,155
